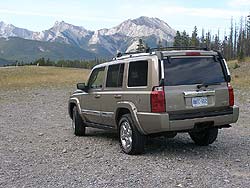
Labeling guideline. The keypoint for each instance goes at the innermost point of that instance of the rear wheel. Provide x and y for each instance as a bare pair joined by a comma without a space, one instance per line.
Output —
131,140
204,137
77,123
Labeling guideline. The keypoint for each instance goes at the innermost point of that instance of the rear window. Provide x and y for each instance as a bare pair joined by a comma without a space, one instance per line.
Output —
192,70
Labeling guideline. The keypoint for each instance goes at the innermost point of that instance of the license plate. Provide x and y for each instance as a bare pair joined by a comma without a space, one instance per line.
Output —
199,101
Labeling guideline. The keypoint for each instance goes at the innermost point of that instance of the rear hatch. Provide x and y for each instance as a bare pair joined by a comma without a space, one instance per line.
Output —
195,85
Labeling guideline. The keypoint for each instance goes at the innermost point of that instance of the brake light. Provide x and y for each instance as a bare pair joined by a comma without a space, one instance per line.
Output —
193,53
158,99
231,94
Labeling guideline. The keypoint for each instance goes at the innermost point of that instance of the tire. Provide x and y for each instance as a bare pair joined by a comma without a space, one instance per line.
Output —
132,142
78,126
204,137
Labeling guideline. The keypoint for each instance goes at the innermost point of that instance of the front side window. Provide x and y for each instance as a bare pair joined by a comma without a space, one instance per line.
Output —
115,75
138,74
96,78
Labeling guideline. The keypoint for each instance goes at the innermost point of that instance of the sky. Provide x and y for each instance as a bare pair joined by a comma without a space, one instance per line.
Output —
93,14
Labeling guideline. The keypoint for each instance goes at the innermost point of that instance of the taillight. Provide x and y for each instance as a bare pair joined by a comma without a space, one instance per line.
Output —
231,94
158,100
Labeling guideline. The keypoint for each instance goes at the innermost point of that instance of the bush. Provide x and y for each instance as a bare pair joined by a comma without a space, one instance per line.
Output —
236,65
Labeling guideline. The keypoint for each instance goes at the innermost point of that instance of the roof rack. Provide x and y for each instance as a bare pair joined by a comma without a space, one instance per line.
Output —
151,50
179,48
130,54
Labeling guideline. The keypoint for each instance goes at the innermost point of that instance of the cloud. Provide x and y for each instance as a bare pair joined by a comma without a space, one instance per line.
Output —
179,11
58,15
238,3
164,10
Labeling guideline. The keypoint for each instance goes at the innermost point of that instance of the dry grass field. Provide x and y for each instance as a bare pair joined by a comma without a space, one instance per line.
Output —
32,77
240,73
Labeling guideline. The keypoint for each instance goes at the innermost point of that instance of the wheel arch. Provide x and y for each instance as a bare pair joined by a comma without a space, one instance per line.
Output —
72,103
125,107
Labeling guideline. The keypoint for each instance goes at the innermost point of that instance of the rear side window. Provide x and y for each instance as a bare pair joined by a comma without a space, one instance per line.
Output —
138,74
115,75
192,70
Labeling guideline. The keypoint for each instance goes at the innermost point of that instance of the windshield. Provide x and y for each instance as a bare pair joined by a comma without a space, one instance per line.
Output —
192,70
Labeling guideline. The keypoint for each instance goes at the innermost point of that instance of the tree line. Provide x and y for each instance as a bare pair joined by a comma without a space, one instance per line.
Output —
86,64
235,45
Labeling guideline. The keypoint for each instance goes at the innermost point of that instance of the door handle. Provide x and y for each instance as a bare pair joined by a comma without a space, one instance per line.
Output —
97,96
118,96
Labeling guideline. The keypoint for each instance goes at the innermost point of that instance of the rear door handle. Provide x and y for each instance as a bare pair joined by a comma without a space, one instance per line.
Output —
97,96
118,96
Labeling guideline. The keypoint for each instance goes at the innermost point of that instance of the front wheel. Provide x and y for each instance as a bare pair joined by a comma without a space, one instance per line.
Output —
131,140
204,137
77,123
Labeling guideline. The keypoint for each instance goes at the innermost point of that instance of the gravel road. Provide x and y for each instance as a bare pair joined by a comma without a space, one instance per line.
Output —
38,149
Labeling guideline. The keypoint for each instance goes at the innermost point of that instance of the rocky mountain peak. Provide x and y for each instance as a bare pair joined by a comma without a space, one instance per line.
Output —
103,41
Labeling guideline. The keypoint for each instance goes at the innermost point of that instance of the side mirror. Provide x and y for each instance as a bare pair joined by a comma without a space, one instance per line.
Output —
82,87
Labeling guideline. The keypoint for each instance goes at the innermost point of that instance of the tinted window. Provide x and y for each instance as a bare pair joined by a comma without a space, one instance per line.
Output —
138,73
194,70
115,75
96,78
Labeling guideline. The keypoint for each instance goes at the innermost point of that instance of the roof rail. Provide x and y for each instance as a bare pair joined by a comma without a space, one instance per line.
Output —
150,50
179,48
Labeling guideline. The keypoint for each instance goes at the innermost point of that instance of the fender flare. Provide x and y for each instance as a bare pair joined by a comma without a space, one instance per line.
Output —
133,111
76,102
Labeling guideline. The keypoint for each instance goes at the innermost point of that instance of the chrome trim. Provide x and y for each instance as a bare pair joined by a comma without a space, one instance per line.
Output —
91,112
228,72
199,93
162,70
107,114
95,112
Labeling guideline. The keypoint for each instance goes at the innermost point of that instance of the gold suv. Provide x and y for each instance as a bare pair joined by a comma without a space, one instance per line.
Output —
161,92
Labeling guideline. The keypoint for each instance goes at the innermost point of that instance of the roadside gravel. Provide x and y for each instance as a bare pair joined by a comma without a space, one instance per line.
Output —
38,149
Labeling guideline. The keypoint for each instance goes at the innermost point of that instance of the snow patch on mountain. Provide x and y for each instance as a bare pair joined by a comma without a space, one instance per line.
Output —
120,37
9,30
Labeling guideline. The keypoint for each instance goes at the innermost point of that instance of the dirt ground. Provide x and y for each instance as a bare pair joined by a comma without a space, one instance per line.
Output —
38,149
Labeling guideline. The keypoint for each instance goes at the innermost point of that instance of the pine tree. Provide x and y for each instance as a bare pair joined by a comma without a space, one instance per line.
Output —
208,40
202,44
194,38
235,42
177,39
248,36
230,42
216,45
185,39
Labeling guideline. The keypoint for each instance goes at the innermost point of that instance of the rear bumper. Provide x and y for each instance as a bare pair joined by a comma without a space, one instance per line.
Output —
163,122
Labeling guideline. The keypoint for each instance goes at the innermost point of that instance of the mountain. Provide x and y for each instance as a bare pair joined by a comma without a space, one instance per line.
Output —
103,42
9,30
65,33
151,30
15,48
5,62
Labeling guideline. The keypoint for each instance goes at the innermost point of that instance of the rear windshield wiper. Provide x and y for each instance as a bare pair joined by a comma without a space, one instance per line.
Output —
207,84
